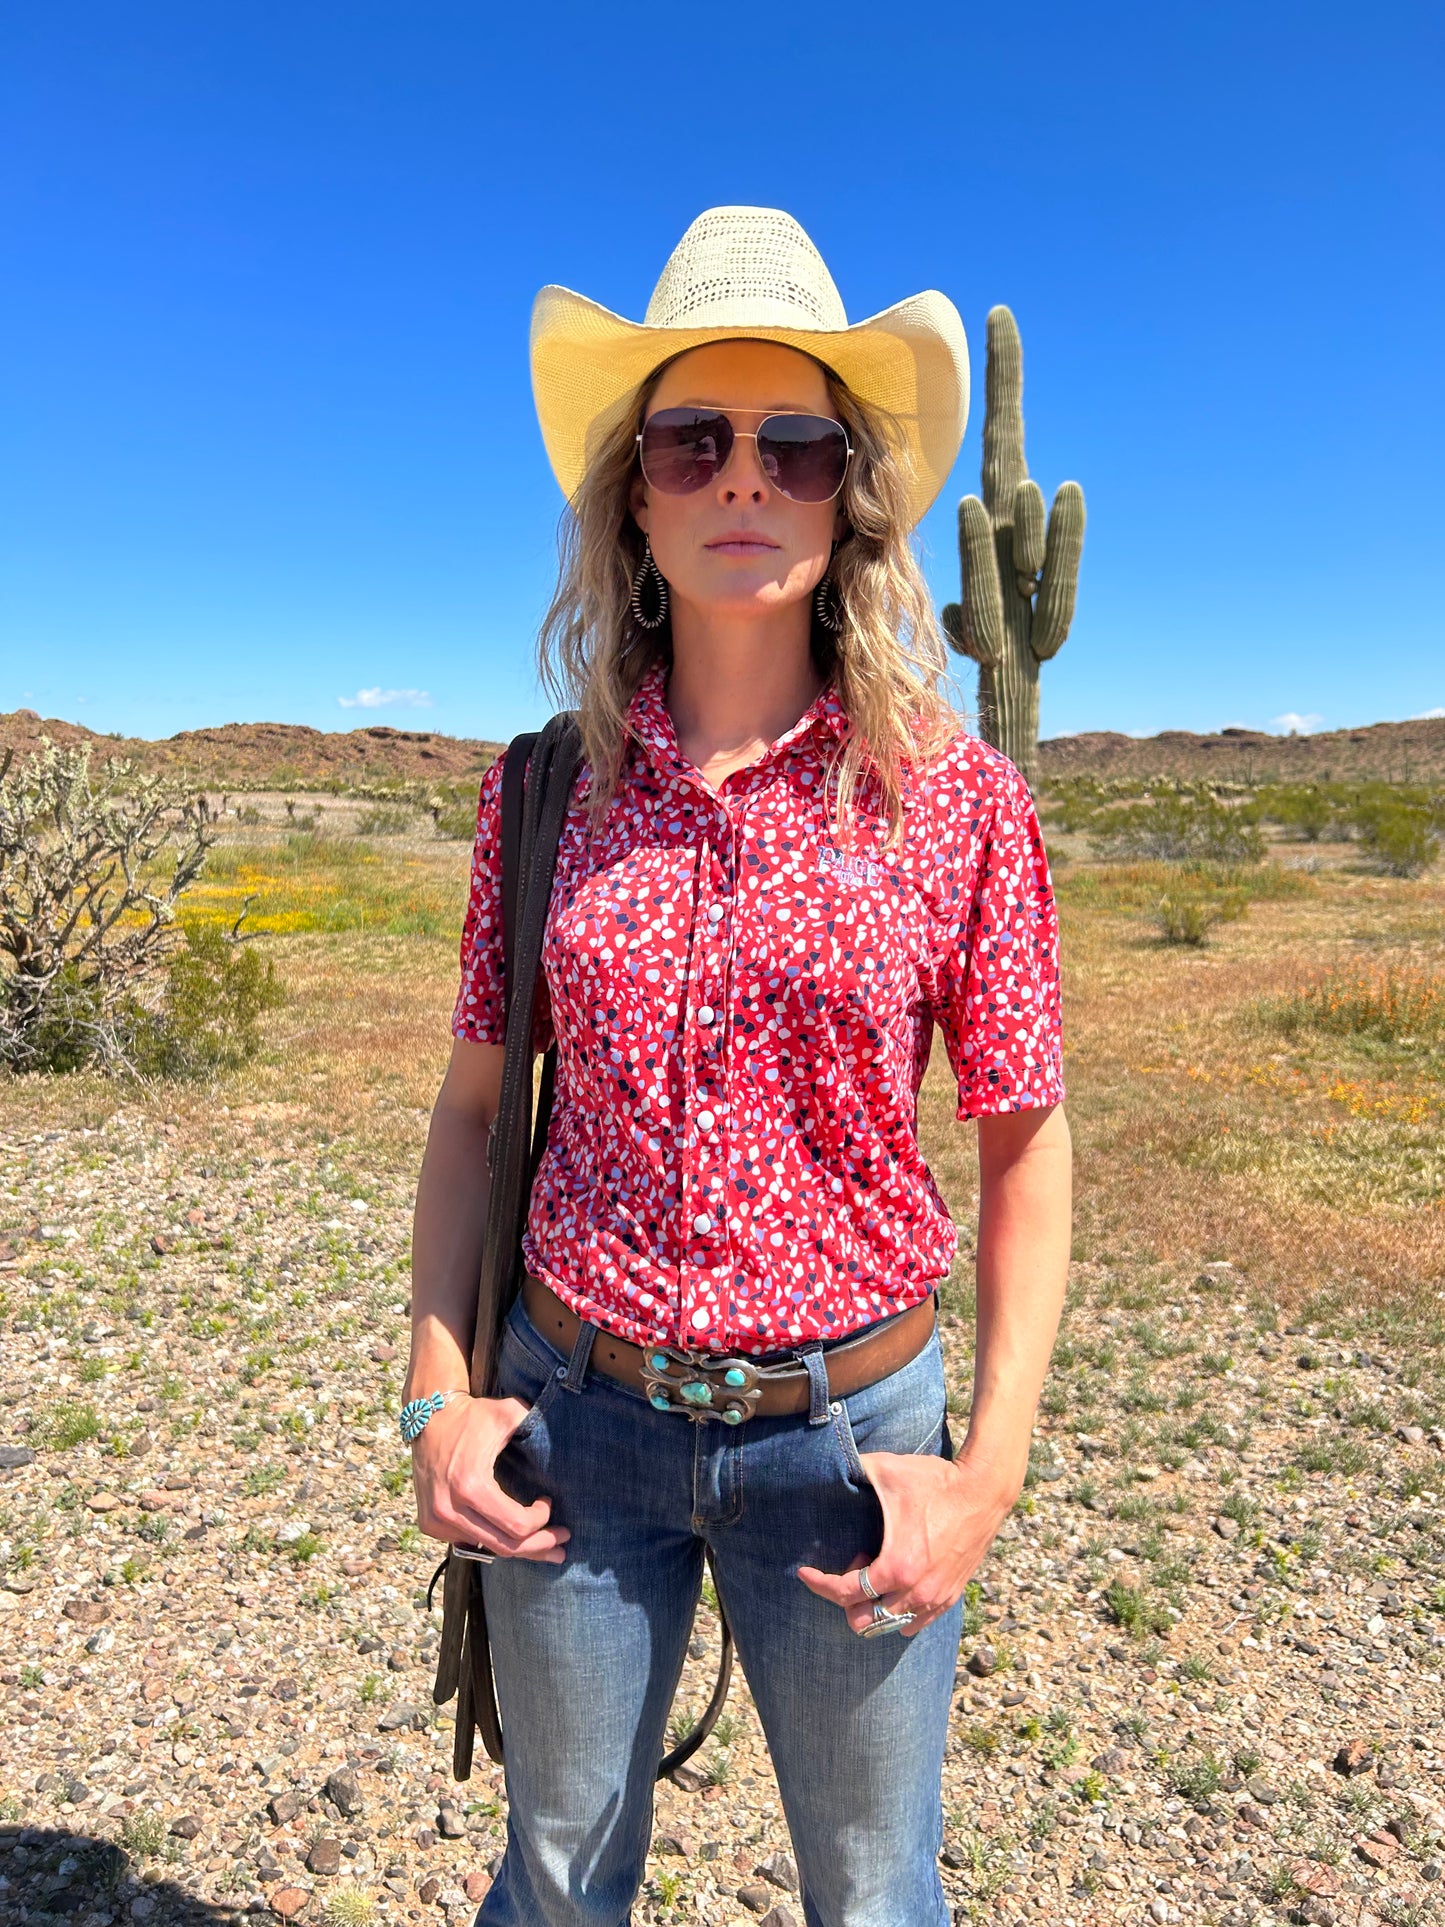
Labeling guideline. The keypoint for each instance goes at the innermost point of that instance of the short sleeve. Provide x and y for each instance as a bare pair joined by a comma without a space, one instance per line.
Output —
995,987
479,1014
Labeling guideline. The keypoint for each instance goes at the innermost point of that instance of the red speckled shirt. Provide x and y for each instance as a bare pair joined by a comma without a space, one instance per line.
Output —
743,1017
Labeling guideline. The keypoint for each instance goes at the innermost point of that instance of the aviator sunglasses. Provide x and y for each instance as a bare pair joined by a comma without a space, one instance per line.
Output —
804,457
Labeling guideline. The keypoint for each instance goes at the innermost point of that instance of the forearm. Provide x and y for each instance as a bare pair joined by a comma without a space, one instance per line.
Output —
446,1251
1024,1230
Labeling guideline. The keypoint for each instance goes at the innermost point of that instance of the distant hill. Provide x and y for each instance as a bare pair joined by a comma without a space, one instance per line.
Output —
1390,752
273,755
293,756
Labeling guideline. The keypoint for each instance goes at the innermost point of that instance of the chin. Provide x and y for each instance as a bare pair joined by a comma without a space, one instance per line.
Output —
737,599
746,608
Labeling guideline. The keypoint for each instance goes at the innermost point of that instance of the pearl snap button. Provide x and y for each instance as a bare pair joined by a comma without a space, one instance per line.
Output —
714,912
702,1222
705,1013
705,1120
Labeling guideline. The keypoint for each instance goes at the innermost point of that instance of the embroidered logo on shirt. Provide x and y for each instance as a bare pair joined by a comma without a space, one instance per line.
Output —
857,869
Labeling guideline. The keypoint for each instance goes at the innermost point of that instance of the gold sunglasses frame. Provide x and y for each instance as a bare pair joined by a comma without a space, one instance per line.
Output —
744,435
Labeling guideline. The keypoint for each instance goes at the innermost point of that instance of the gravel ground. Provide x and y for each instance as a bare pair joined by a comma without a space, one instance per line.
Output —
1201,1681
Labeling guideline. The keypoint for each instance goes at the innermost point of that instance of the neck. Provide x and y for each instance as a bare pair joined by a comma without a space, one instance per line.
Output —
736,687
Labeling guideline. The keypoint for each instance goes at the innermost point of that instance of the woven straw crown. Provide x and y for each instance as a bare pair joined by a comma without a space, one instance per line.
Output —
765,264
750,272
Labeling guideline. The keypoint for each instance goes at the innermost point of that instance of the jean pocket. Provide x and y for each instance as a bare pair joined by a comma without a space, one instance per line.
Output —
525,1373
903,1412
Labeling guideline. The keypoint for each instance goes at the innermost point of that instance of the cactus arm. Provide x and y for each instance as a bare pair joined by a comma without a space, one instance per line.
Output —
1054,609
1029,548
981,628
951,617
1004,466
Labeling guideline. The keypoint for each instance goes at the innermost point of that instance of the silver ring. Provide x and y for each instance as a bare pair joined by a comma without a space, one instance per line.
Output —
867,1584
884,1621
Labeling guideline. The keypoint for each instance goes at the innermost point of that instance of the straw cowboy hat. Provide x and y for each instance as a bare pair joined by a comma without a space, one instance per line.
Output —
753,272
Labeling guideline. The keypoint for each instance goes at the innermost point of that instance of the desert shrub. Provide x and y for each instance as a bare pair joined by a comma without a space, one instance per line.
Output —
1398,837
1305,811
216,990
453,809
1190,825
1178,827
459,822
91,869
1189,919
1389,1003
1072,802
384,819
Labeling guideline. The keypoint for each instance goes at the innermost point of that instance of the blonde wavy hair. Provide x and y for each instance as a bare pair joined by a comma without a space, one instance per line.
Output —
887,657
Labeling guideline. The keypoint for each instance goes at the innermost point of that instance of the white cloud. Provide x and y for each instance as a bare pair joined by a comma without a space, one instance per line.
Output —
379,698
1290,721
1428,716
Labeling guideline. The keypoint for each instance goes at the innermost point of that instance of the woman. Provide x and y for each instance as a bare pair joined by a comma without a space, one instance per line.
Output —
783,862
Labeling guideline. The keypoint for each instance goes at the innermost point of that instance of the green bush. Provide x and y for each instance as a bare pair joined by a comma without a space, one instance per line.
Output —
73,1026
1305,810
456,821
1192,825
216,991
1399,838
1189,920
384,819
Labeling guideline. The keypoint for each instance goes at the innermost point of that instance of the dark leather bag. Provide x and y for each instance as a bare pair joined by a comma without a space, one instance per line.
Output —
537,779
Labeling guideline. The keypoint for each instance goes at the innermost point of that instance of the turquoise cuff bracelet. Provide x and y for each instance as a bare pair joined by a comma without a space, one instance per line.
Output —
416,1412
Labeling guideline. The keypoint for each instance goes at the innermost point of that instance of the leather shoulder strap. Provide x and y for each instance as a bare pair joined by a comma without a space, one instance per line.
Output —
546,792
514,780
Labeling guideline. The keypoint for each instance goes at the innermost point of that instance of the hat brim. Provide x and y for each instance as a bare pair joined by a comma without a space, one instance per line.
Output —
911,359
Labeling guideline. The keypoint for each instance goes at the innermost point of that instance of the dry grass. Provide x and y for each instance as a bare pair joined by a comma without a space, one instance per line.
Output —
1398,1003
1308,1152
1309,1158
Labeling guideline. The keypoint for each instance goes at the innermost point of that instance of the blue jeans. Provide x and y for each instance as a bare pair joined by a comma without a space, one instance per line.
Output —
588,1654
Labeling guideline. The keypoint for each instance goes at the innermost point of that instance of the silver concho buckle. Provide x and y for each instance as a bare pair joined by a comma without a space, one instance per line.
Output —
700,1384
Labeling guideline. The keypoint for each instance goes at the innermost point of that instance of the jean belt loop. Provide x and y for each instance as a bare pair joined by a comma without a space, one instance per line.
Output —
817,1364
581,1352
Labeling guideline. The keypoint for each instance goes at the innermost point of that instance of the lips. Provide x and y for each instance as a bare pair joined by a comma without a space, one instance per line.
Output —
741,542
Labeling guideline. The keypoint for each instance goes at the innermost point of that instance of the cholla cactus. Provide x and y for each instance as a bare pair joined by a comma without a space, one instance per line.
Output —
1019,581
87,915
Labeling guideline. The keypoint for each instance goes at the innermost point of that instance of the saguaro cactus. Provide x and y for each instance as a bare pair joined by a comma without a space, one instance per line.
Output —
1019,581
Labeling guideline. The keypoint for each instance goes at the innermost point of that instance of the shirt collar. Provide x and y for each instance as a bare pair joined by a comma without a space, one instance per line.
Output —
649,715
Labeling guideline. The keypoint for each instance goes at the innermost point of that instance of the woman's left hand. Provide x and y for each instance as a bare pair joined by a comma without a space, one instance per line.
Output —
939,1519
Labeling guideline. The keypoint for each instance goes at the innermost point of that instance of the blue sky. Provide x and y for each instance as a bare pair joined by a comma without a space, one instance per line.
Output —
266,434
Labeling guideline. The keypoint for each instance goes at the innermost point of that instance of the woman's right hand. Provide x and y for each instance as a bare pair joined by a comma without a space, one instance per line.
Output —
458,1499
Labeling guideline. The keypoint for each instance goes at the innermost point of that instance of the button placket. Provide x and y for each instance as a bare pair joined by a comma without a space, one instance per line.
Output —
702,1150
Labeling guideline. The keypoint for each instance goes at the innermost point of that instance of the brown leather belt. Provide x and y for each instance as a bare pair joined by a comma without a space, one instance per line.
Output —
732,1388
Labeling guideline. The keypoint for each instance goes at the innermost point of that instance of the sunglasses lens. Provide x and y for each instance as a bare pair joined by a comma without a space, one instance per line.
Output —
683,449
805,457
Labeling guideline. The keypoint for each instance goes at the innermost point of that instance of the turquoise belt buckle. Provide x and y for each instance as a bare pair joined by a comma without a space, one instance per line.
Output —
699,1384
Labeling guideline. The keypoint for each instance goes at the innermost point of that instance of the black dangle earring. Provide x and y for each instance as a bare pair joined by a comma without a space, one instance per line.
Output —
639,582
825,604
